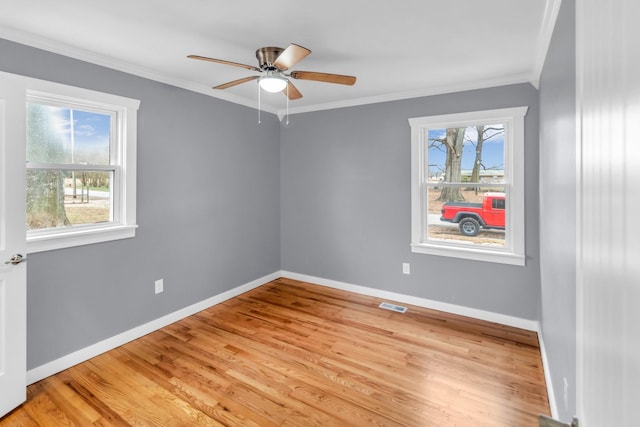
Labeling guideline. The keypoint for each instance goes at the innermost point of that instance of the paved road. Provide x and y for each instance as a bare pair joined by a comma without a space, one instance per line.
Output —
434,219
92,193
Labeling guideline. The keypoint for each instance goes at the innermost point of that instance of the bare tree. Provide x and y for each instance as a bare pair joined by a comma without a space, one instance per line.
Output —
484,134
453,141
45,188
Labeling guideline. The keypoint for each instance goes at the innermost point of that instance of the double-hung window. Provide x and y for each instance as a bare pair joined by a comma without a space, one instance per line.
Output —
81,158
467,187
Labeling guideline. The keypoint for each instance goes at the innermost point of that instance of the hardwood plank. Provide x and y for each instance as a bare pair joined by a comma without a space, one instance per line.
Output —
298,354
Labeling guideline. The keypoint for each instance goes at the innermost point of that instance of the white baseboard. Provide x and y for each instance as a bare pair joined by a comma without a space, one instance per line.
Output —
553,406
517,322
65,362
530,325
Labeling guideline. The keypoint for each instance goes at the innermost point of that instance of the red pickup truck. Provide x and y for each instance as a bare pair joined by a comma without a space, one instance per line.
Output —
473,216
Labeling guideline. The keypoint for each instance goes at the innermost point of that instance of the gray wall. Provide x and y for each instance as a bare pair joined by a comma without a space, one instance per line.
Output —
208,210
223,201
345,188
558,202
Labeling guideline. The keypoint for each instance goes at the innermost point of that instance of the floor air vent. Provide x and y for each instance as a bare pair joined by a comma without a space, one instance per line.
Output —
393,307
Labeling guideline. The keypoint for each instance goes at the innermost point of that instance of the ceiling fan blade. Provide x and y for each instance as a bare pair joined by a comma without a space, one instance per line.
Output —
236,82
222,61
291,56
324,77
292,92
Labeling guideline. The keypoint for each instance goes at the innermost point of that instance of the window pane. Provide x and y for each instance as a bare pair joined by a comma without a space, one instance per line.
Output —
466,154
64,135
59,198
478,218
469,165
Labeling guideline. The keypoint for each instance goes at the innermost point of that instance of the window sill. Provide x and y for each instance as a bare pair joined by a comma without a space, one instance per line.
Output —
66,238
469,253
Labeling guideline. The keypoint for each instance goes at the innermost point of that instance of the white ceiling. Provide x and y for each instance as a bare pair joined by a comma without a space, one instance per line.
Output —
397,49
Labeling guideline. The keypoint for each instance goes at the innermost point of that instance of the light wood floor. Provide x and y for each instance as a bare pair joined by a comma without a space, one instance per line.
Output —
295,354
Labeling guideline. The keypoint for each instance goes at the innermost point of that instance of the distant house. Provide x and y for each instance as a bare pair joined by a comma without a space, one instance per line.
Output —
486,175
492,176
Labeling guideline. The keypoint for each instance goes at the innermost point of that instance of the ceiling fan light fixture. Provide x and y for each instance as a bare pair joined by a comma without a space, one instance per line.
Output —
273,62
273,83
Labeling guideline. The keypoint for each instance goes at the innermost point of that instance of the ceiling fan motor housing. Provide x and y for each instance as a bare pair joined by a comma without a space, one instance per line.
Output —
267,56
272,64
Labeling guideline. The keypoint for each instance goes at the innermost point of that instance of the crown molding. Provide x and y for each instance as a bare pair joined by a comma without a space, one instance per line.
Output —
551,11
63,49
458,87
28,39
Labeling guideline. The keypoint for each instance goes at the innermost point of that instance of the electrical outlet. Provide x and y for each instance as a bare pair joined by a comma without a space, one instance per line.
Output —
159,286
406,268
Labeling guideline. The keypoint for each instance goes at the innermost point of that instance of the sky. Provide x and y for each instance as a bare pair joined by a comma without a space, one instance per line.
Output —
90,130
492,151
91,136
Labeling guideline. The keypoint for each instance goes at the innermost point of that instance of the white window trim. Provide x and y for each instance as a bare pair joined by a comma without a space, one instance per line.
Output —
124,225
513,119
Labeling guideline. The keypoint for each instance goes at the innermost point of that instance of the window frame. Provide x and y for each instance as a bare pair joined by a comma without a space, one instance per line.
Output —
122,163
513,120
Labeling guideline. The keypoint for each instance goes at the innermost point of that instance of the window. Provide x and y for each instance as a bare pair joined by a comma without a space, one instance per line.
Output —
467,185
81,158
498,204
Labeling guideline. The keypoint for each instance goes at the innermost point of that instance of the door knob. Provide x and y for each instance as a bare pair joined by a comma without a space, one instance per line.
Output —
16,259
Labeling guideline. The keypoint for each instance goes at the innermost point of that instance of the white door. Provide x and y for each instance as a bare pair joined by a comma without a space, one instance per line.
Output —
13,320
608,297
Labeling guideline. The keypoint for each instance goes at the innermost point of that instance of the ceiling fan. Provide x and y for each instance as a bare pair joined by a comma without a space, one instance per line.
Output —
272,64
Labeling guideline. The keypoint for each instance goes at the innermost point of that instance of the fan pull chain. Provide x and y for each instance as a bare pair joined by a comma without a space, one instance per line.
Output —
259,104
287,104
